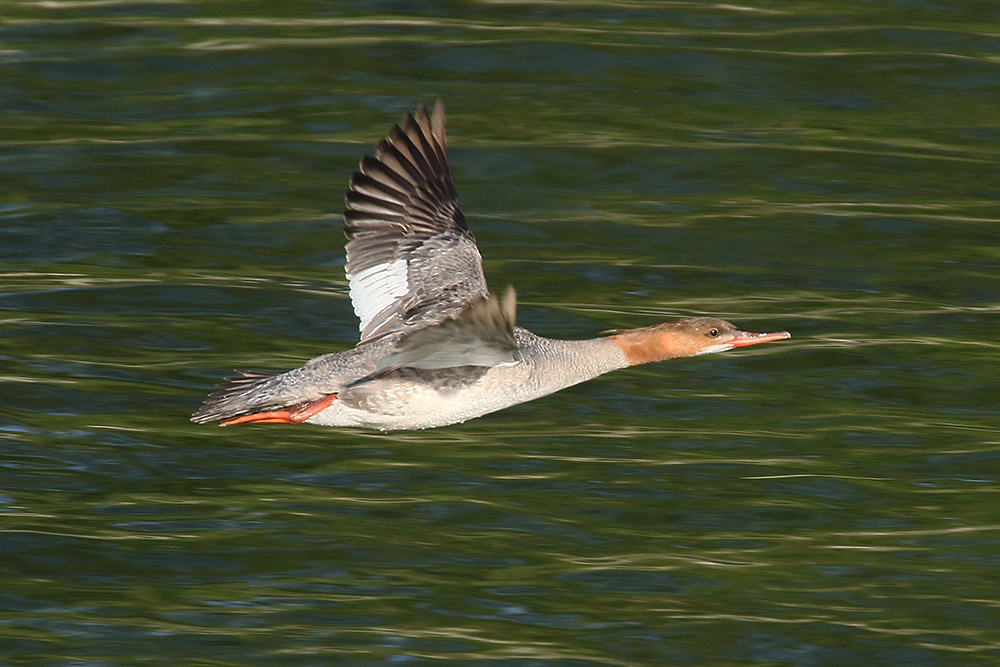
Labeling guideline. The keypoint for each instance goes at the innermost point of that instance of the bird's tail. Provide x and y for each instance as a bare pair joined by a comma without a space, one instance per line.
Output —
259,397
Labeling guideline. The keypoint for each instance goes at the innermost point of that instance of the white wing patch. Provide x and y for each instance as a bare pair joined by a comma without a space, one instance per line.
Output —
377,288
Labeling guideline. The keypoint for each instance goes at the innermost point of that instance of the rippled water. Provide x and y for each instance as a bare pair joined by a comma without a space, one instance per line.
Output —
172,181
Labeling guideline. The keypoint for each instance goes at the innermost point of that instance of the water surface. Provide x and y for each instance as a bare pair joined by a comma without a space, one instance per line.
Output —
172,182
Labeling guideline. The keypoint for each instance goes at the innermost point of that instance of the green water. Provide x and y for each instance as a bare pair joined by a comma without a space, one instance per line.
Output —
171,182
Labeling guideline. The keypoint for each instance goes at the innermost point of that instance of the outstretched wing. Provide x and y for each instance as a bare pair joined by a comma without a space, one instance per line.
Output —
411,259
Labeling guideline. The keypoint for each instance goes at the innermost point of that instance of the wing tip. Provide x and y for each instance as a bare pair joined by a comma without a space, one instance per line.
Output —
437,123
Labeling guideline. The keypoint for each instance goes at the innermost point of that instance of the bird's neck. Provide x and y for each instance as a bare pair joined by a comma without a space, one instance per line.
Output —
569,362
651,344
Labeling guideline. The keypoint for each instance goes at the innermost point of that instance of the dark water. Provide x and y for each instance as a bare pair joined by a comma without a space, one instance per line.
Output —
171,181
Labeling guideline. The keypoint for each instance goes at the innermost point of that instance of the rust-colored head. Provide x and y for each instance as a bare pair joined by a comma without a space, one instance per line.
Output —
686,338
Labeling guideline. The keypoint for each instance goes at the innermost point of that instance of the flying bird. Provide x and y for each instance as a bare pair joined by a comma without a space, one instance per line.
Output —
437,347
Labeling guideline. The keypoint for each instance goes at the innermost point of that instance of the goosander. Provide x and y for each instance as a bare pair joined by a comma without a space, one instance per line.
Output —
437,347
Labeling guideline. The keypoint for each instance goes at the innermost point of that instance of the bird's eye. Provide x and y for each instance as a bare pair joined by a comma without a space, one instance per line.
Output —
712,333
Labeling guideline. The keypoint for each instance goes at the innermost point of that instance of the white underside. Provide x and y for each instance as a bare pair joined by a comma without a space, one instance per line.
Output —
411,406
